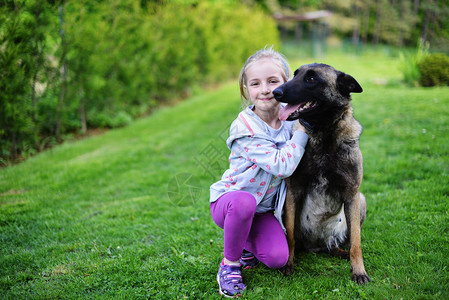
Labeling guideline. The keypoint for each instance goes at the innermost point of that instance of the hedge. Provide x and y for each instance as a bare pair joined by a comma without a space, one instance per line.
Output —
434,70
71,65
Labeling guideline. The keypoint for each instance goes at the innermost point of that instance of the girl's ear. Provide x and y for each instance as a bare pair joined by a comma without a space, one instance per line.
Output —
244,92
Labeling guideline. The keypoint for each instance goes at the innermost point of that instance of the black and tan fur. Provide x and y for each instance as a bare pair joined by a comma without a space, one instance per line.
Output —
324,208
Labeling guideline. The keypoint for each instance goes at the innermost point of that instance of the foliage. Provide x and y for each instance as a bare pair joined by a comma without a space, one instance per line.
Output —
93,218
67,67
409,64
423,68
23,68
434,70
400,22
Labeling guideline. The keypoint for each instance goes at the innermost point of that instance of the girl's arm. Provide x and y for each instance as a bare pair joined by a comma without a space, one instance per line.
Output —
262,152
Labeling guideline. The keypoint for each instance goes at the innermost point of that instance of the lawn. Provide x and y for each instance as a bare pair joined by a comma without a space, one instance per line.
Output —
126,214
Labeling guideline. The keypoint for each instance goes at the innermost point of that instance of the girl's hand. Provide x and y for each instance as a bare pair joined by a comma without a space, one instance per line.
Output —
298,126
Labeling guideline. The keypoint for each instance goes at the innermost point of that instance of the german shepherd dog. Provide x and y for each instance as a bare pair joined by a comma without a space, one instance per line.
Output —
324,208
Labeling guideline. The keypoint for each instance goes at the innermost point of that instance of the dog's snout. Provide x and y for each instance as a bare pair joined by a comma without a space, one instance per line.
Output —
278,93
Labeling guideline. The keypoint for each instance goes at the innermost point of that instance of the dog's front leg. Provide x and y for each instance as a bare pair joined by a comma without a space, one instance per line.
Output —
352,213
289,221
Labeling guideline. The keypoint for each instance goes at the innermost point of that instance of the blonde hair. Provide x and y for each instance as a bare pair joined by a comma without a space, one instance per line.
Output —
267,52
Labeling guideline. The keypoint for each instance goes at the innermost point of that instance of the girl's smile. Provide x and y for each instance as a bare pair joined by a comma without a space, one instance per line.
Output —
263,77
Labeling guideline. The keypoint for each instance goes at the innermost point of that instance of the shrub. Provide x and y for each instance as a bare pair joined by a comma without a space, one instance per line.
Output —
409,64
121,58
434,70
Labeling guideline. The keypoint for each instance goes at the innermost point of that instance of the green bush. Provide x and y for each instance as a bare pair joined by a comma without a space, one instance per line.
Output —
123,58
434,70
409,64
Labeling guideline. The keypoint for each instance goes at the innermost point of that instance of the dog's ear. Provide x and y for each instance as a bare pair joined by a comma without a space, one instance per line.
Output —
347,84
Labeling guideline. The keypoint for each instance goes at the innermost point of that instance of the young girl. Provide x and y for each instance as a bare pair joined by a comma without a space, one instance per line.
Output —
247,202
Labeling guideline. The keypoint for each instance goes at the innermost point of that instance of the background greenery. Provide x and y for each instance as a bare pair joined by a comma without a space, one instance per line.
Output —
400,22
125,214
67,67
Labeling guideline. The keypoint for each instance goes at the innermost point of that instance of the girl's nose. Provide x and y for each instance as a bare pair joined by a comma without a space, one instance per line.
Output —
265,88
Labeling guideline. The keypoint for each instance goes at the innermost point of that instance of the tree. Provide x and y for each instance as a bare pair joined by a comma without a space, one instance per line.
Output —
63,64
17,69
435,24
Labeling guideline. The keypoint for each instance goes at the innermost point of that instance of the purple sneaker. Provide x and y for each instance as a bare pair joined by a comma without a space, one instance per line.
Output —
248,260
229,280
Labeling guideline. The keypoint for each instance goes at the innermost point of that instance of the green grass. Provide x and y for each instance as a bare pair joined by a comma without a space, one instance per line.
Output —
104,217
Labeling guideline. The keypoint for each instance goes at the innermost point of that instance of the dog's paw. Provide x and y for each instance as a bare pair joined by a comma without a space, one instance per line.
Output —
288,269
361,278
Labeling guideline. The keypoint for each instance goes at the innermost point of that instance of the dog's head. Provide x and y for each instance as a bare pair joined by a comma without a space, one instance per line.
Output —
316,93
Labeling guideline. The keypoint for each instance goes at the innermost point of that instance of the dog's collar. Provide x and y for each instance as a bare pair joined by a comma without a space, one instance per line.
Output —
307,125
342,115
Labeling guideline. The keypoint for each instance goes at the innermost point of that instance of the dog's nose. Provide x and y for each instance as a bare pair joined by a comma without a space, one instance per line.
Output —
278,93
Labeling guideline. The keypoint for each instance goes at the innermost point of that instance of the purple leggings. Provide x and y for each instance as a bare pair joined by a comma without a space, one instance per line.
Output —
260,234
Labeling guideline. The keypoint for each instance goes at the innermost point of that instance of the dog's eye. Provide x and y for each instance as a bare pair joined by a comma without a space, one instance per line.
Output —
311,79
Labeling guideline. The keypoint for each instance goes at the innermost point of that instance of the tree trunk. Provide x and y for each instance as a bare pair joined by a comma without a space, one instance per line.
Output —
83,114
376,33
34,115
61,101
356,30
425,26
298,32
63,75
365,24
434,32
416,7
37,54
14,145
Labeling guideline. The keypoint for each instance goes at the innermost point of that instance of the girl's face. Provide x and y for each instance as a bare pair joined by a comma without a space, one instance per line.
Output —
262,78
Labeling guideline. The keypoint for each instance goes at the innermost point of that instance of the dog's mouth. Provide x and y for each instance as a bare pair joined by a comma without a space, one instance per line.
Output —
293,111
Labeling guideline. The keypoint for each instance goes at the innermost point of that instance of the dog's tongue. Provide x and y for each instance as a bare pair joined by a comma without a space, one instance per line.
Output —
287,111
